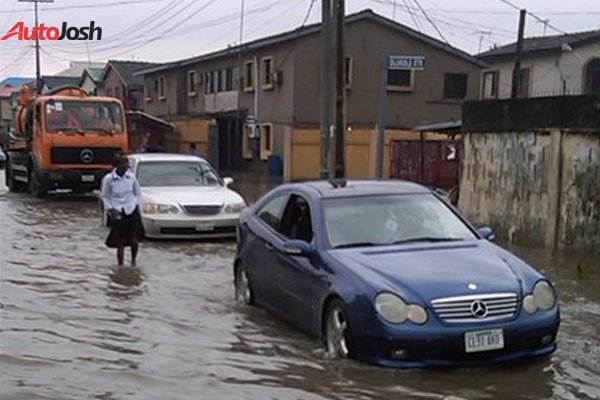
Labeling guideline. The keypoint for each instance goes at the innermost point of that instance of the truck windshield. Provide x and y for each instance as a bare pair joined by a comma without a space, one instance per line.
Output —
83,116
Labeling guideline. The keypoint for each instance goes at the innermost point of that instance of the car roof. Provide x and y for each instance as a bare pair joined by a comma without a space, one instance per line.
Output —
351,188
165,157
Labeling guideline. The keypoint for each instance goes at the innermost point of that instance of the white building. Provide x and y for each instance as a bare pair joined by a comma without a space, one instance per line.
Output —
550,66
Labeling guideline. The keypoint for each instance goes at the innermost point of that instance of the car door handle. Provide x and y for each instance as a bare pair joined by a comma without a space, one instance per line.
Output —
269,246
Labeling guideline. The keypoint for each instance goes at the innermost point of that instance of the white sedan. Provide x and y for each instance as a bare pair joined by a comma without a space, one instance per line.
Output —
184,198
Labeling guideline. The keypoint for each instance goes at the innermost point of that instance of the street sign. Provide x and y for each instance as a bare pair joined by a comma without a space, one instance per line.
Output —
406,62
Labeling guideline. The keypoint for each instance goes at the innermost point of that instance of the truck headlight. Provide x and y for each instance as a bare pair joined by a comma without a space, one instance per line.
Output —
235,208
542,298
396,311
154,208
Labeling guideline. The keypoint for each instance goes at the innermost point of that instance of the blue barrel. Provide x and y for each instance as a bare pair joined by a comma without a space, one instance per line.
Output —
275,165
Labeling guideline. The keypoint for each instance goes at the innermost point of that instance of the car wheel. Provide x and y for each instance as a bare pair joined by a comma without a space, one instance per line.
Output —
243,290
338,336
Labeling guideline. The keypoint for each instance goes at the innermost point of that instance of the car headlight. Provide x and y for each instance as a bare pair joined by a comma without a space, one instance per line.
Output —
395,310
235,208
153,208
542,298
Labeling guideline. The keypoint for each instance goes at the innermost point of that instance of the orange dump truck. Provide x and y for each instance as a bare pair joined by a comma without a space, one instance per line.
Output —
65,139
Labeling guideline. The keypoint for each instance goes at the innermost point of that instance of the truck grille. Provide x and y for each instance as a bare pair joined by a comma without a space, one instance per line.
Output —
202,210
83,155
476,308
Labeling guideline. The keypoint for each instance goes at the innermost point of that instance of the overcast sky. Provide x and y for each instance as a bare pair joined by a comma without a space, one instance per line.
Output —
166,30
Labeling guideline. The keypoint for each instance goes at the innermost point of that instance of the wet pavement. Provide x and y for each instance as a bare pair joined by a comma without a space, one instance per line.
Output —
74,326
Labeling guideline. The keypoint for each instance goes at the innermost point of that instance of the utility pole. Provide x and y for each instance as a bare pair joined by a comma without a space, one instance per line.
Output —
517,69
38,75
326,95
340,123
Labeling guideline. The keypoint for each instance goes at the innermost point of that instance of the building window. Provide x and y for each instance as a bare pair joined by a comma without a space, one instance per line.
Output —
523,79
592,77
207,82
490,84
219,80
228,79
267,73
118,92
109,92
191,83
249,76
147,92
348,66
455,86
161,87
246,151
266,141
401,80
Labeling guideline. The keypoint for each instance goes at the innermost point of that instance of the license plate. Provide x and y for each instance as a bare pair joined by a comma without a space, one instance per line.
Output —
492,339
205,226
88,178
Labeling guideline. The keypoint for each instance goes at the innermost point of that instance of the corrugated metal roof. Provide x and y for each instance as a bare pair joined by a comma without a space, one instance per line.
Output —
543,44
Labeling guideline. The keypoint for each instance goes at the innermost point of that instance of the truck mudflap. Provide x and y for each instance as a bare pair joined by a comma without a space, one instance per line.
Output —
80,180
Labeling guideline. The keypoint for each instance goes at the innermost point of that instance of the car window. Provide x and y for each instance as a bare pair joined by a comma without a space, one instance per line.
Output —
296,221
271,212
176,173
382,220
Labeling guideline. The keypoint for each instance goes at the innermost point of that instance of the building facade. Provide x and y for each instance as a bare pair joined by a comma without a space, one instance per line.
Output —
550,66
250,95
118,80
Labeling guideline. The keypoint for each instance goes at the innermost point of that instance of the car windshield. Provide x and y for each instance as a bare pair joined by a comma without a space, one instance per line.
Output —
395,219
176,173
82,116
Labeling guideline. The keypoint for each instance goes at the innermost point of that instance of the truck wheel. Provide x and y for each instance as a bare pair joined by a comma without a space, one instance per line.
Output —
13,185
35,186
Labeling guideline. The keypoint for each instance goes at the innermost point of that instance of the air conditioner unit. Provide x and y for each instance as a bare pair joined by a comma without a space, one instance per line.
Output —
278,77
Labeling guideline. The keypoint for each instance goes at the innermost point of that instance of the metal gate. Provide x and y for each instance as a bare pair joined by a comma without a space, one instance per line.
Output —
433,163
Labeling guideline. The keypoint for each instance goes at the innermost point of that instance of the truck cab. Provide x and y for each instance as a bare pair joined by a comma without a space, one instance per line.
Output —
65,140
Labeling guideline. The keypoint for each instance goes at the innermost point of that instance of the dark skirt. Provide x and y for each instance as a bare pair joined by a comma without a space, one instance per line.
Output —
126,230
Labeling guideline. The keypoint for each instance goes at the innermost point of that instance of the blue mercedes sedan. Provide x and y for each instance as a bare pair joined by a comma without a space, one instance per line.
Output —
390,273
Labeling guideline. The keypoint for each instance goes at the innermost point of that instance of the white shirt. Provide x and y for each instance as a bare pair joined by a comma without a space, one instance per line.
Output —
121,193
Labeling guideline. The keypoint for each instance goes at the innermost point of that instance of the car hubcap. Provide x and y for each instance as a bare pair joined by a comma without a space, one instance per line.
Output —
336,334
243,287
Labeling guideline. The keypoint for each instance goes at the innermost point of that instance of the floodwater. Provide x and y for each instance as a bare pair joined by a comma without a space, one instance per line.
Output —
74,326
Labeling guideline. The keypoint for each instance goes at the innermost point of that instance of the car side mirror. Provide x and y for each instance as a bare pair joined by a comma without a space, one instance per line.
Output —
227,181
487,233
299,248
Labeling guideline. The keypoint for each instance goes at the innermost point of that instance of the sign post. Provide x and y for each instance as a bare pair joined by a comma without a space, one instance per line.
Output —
392,63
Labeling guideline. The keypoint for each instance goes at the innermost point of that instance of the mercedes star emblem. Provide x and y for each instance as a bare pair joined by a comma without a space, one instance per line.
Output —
479,309
87,156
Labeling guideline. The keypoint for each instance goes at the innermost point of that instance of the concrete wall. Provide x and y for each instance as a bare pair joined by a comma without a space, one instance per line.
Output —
540,187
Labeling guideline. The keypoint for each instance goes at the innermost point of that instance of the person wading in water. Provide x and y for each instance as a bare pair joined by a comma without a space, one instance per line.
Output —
121,195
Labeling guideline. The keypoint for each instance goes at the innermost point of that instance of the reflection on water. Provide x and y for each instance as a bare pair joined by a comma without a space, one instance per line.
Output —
74,326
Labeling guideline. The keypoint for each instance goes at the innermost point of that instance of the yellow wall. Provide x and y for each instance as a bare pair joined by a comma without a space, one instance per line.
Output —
306,153
358,153
360,145
194,130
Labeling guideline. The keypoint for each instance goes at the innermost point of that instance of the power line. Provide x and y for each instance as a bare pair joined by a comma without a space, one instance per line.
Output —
431,21
539,19
103,5
412,16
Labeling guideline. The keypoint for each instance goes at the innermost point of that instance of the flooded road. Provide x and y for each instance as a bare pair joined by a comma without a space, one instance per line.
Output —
73,326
